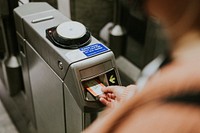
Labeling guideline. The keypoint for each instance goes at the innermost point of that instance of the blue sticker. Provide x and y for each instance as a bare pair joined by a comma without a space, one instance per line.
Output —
94,49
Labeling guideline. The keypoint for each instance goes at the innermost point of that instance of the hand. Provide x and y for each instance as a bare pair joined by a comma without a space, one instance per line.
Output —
111,95
115,94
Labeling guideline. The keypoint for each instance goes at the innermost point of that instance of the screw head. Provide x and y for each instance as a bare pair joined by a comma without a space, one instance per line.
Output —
60,65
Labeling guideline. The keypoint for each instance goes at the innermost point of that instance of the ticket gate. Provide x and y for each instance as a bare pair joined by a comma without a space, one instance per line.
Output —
60,61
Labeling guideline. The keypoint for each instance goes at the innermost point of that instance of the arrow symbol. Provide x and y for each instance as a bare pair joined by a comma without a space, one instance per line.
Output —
112,79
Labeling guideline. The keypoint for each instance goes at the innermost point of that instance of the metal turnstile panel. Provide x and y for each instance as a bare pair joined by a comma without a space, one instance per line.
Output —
73,113
47,95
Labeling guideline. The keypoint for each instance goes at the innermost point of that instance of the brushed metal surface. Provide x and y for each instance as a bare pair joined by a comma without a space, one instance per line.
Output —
47,91
27,88
74,115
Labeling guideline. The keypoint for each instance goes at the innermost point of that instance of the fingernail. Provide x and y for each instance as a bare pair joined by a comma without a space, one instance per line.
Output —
100,99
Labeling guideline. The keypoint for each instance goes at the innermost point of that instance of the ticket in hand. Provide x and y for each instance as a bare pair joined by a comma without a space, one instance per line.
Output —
94,87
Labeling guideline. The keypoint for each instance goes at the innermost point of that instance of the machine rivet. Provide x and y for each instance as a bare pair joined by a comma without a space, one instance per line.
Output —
60,65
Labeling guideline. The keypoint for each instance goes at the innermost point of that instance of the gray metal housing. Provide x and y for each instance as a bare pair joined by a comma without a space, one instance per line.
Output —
56,99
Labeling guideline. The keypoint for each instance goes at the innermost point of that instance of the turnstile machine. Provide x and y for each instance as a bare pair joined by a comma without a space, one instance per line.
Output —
59,59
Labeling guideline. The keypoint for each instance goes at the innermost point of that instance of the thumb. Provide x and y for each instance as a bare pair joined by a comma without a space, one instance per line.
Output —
107,89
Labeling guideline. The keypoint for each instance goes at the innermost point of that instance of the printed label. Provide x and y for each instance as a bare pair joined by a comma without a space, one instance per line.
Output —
94,49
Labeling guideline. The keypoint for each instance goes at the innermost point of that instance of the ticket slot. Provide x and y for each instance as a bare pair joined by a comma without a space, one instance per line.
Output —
92,87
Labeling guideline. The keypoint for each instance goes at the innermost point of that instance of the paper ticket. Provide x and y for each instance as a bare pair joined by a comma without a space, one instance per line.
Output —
94,87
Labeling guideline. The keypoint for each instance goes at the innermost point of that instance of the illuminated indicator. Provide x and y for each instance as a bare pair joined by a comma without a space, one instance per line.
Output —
112,79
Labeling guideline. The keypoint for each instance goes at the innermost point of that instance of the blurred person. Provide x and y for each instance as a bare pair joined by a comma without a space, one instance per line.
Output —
167,96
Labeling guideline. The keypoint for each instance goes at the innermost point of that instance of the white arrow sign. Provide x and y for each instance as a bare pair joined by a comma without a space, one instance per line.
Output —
112,79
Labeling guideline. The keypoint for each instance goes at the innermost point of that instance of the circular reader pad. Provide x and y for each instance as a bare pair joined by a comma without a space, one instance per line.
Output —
69,34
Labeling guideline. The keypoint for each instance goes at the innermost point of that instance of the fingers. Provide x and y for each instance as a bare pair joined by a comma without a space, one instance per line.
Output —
107,89
108,96
113,89
111,94
107,102
107,99
104,101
